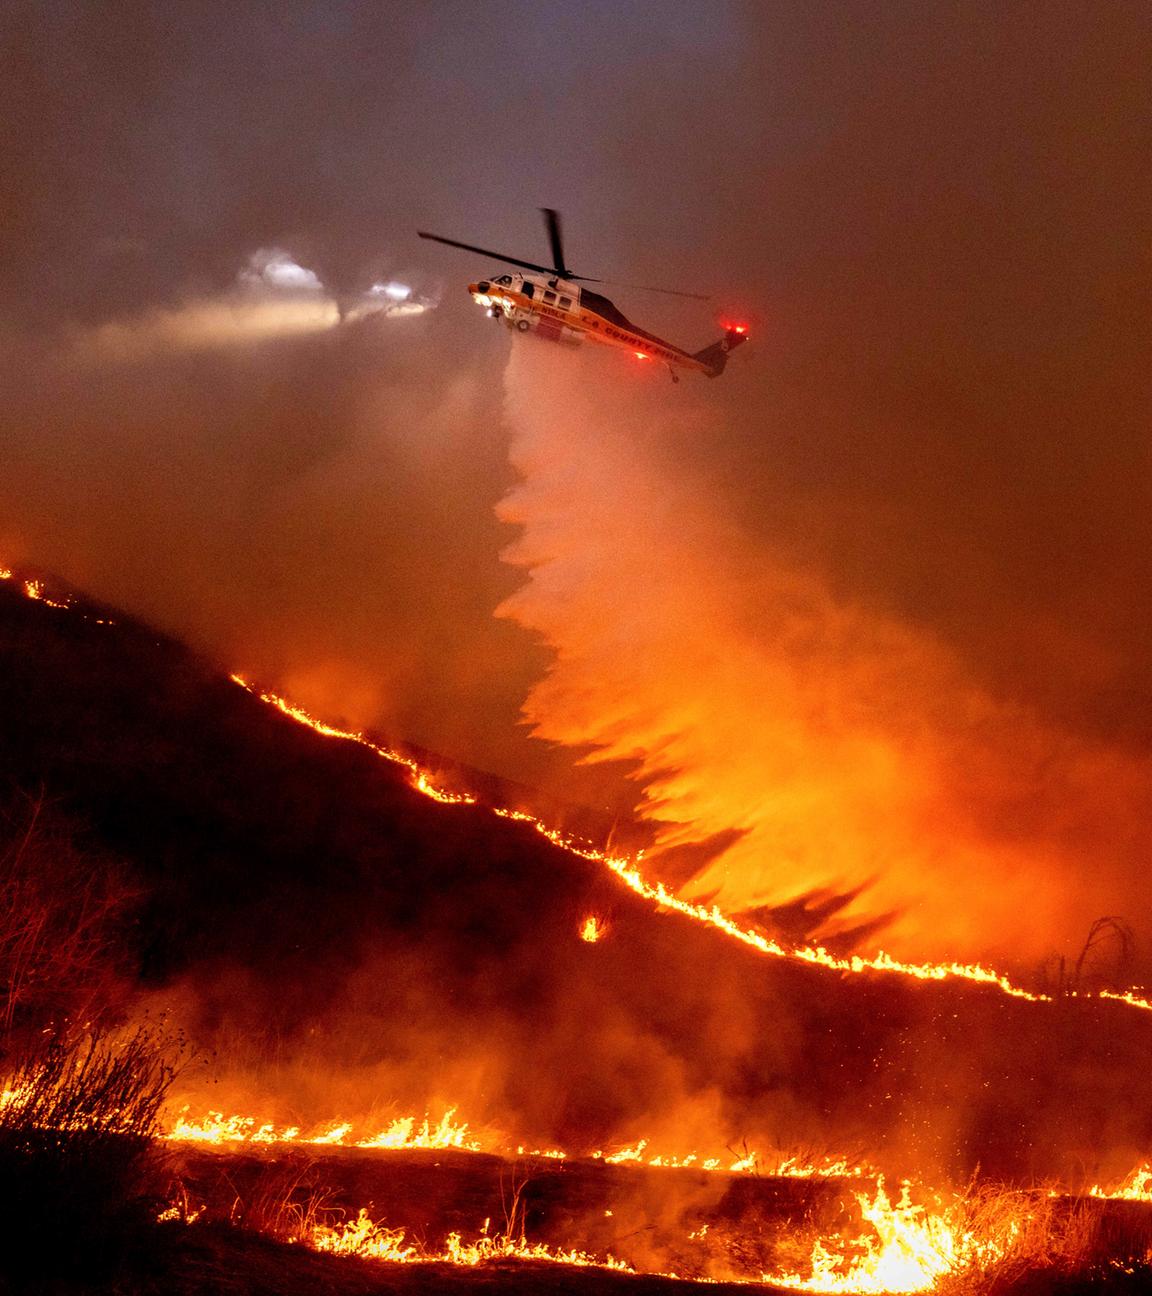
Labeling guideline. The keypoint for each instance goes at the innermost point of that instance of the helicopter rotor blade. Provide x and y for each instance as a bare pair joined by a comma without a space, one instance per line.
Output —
555,241
496,256
668,292
552,219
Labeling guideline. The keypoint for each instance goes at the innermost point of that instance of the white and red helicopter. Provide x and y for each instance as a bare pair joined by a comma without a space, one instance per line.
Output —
551,302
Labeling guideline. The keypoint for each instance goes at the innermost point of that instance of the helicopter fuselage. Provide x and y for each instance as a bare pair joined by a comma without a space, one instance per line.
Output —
560,310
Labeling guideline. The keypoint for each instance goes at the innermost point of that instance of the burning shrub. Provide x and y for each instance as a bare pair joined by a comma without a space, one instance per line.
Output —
77,1157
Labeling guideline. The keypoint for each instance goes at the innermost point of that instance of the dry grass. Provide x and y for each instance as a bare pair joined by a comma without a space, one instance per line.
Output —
60,914
79,1169
286,1202
1033,1237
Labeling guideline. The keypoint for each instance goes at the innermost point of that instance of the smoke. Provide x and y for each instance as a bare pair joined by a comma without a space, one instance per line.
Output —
931,465
273,297
795,748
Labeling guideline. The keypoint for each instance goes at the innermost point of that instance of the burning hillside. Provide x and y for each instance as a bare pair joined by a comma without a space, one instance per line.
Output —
352,992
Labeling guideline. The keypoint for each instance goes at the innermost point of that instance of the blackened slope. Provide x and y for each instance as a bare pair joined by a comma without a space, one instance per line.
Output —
254,835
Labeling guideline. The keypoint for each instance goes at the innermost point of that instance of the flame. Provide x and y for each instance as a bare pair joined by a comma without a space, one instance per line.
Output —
421,781
902,1247
34,589
218,1128
1137,1187
907,1248
406,1132
592,929
1128,997
627,1154
409,1133
369,1240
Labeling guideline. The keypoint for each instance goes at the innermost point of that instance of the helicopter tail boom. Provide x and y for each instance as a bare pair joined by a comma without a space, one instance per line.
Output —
715,357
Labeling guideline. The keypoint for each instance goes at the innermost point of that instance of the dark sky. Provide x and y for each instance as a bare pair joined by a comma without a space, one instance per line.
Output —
934,213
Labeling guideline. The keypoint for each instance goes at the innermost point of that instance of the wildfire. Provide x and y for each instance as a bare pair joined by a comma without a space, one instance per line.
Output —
404,1133
907,1248
624,868
372,1241
1137,1187
34,589
628,873
900,1246
408,1133
1128,997
420,779
549,1154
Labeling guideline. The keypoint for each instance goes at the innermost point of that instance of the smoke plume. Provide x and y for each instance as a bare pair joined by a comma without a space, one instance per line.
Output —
794,747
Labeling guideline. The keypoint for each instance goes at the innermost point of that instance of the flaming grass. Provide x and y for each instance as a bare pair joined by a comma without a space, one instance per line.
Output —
368,1240
406,1133
953,1244
1137,1187
411,1133
957,1244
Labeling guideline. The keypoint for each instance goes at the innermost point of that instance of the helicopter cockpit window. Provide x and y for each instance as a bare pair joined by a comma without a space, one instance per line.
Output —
529,290
504,279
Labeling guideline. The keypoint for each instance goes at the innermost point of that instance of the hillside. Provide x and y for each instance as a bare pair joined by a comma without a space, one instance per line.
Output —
338,942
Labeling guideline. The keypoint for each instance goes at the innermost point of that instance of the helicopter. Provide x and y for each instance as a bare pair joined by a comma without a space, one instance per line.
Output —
551,302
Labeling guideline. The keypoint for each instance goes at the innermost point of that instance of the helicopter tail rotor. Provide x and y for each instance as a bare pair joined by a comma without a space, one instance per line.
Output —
716,355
